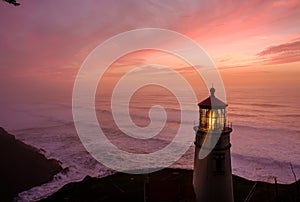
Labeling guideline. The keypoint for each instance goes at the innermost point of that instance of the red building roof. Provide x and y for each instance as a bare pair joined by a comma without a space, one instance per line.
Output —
212,101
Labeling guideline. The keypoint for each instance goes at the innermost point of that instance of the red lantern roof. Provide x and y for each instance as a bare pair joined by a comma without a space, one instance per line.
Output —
212,101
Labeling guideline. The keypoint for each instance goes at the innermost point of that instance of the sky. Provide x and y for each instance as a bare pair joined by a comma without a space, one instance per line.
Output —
44,43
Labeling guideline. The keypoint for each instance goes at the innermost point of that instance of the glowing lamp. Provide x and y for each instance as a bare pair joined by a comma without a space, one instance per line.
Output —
212,113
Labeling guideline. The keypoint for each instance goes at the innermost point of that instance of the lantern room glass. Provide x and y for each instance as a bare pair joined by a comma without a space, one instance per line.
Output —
212,119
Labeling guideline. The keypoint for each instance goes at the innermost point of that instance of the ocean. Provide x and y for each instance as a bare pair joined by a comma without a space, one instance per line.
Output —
265,138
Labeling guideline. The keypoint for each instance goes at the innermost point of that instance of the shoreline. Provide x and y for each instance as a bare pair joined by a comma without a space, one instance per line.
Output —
82,181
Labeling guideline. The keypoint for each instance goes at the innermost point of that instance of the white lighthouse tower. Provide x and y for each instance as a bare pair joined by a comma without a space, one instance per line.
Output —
212,177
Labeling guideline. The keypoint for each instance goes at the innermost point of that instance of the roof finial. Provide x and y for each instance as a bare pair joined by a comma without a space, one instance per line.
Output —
212,90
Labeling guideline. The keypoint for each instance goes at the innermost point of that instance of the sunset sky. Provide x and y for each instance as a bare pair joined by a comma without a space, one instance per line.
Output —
43,43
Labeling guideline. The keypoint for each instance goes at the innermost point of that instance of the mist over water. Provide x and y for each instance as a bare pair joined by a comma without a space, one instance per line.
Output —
265,137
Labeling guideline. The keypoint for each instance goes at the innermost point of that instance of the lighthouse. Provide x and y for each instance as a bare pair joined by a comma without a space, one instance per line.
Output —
212,176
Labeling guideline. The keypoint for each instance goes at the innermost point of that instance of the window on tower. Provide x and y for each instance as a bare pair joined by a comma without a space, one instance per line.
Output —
219,163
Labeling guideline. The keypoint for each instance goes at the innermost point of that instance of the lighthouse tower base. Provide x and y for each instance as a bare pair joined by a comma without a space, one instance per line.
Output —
212,177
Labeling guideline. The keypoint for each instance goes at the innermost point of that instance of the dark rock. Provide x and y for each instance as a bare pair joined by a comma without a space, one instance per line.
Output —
22,167
165,185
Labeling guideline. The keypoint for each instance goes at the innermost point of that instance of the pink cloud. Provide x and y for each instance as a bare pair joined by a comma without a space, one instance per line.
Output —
51,34
287,47
225,21
50,40
282,53
285,3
